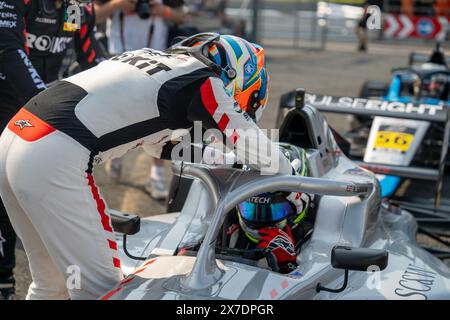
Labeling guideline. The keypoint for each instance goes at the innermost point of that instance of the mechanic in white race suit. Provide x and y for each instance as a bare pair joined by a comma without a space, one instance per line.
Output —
132,25
138,98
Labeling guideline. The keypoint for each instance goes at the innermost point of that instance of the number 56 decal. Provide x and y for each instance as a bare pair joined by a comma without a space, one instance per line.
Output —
393,140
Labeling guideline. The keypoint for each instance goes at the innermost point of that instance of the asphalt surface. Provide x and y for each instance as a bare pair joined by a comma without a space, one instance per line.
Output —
338,71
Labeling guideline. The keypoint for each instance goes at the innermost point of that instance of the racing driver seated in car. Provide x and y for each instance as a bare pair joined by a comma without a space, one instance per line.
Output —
271,226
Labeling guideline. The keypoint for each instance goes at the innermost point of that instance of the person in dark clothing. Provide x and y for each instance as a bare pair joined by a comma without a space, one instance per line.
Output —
361,29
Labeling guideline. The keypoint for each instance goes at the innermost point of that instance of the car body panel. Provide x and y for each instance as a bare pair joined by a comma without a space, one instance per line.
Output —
355,221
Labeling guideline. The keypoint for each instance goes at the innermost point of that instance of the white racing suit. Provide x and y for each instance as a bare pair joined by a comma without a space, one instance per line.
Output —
139,98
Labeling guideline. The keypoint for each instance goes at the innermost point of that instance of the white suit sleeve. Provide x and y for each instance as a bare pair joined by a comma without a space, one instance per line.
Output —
218,111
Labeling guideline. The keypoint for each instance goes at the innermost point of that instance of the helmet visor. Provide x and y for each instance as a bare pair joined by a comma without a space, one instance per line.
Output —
265,214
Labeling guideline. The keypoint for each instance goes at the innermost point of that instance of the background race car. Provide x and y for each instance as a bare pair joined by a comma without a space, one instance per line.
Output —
401,133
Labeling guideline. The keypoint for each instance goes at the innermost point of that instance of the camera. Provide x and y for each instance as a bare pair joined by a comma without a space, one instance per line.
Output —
143,9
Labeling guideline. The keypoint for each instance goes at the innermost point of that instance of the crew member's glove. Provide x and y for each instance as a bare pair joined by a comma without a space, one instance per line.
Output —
279,249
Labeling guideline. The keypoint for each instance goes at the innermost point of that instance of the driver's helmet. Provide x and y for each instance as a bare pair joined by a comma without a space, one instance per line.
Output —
272,209
437,86
239,63
433,83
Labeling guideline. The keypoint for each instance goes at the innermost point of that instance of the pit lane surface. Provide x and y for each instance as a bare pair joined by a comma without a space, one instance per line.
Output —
337,71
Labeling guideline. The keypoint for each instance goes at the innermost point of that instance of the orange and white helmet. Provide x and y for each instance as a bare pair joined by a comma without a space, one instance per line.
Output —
239,63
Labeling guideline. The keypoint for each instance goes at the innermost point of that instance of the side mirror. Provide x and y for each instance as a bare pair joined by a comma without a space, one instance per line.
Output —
125,223
355,259
358,259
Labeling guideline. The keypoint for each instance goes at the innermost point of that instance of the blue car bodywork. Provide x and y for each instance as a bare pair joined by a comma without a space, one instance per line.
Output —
389,184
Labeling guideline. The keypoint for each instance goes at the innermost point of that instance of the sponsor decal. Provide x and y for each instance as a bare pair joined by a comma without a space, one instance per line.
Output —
23,124
397,138
8,24
370,104
356,189
415,282
45,20
70,27
142,62
8,15
156,53
259,200
7,19
34,75
350,188
4,5
98,159
282,242
72,18
47,43
249,68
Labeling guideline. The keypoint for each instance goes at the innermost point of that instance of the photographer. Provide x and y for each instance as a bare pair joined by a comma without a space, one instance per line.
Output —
132,25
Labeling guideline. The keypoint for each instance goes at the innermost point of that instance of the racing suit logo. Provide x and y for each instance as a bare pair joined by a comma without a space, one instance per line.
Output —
33,73
47,43
23,123
262,200
4,5
282,242
45,20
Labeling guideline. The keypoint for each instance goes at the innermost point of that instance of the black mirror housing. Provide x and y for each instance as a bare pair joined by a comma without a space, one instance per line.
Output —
125,223
358,259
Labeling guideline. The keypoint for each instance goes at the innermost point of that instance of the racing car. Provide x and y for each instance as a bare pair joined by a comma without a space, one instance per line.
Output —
400,124
357,246
409,142
402,134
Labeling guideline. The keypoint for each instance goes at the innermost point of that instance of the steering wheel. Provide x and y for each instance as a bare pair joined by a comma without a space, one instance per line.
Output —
236,255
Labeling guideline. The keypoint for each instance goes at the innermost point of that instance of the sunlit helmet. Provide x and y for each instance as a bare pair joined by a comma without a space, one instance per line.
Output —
239,63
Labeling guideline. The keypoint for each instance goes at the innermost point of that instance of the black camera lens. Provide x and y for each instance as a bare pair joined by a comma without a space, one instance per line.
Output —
143,9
